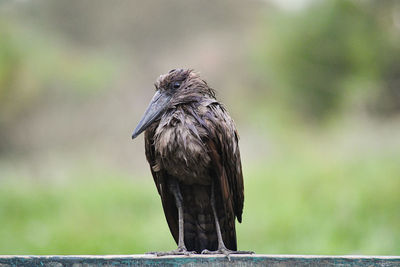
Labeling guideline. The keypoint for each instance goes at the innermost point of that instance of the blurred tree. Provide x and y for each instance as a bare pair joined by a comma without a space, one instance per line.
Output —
328,55
388,97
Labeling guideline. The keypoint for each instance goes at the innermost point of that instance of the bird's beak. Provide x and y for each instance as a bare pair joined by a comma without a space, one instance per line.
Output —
157,106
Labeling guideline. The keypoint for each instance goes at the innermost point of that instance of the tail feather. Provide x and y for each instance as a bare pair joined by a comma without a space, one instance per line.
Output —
199,223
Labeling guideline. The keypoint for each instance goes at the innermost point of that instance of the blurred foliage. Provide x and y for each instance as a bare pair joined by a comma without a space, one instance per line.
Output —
318,199
17,84
330,56
311,203
106,214
32,65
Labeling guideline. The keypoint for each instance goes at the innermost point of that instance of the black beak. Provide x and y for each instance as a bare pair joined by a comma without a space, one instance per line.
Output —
157,106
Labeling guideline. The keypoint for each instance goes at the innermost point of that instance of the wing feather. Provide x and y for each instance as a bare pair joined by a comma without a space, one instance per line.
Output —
160,178
224,151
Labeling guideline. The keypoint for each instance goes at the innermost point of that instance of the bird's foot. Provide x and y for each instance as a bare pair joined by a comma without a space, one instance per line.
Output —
226,252
178,251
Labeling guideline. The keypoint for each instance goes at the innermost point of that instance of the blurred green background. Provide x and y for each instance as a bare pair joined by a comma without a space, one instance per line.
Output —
314,88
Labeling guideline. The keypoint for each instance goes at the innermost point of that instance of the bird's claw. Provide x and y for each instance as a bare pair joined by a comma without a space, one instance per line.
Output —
178,251
226,252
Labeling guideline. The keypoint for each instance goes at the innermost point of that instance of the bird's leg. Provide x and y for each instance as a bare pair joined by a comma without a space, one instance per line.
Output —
181,250
221,246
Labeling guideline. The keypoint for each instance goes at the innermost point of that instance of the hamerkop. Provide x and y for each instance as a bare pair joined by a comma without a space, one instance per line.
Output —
191,145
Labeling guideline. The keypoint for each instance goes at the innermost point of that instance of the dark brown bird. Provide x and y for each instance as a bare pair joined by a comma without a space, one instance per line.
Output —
192,147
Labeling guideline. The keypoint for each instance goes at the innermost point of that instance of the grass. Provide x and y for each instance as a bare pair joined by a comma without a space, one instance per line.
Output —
316,207
103,215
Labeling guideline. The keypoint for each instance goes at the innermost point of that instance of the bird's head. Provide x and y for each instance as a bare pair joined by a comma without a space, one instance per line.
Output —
176,87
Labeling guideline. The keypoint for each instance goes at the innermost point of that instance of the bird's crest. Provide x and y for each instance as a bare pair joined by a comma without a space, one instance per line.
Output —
183,80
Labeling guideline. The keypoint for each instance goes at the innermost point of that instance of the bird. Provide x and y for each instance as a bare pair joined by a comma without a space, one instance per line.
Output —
191,145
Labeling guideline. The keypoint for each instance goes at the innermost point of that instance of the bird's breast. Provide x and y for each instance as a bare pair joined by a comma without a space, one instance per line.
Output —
180,149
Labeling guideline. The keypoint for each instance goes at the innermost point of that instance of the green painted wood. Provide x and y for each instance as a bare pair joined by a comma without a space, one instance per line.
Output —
199,260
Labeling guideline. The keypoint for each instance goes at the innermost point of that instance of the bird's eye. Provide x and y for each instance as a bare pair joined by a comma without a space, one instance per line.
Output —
176,85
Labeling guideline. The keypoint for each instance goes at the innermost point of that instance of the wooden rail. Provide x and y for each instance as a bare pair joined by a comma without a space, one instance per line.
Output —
199,260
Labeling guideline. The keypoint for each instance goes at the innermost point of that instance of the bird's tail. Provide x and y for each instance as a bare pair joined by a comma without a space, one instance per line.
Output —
199,223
